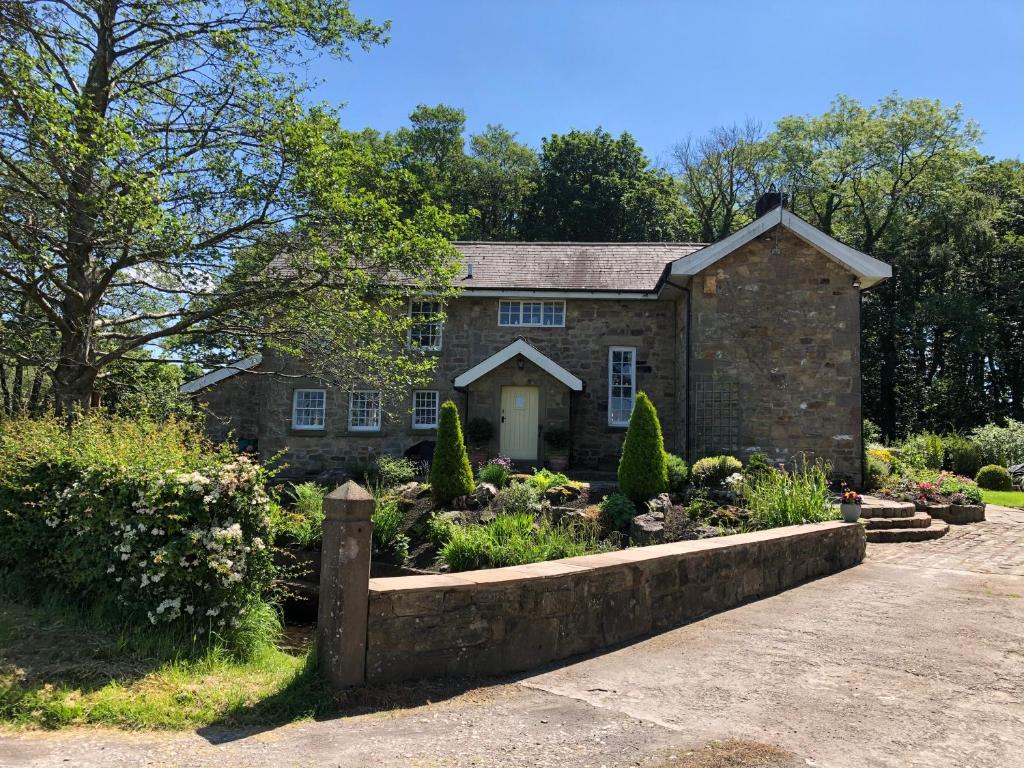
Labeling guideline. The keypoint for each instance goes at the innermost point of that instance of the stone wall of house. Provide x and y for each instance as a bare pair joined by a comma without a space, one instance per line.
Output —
471,334
776,356
505,620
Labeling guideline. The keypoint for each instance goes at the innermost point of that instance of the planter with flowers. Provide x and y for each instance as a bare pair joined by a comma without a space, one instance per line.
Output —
850,506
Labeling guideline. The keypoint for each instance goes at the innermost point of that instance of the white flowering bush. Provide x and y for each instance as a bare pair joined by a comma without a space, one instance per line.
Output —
185,546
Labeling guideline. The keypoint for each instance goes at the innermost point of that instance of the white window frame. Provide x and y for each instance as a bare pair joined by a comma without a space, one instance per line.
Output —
295,410
440,325
351,410
437,408
543,304
632,372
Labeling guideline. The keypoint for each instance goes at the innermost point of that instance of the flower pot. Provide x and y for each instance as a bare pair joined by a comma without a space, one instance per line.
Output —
850,512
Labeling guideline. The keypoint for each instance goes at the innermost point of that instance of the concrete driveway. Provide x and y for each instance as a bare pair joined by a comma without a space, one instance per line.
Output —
915,658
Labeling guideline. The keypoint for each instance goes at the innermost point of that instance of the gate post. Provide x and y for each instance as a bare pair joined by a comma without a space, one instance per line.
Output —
344,585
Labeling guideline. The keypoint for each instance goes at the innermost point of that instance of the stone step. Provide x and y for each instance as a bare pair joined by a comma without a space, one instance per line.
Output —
936,530
885,508
919,520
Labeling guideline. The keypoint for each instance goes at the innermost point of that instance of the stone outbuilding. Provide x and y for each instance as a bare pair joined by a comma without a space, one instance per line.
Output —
750,344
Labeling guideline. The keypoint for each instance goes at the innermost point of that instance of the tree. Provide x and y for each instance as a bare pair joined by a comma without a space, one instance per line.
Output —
642,469
451,475
502,178
159,181
594,187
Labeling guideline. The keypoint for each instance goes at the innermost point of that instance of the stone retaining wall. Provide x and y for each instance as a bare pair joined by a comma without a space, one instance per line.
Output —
511,619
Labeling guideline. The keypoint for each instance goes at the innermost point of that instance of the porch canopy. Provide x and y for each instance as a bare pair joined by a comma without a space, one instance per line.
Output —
520,347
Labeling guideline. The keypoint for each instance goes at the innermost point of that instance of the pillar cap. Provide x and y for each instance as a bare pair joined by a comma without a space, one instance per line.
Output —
348,502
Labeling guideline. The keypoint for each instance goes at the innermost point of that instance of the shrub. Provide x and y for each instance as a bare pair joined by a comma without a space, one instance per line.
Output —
642,470
439,529
450,473
871,432
956,485
395,470
389,540
542,479
557,438
516,540
616,511
678,472
140,519
496,471
479,432
1001,445
781,497
875,472
712,471
924,451
518,498
757,464
304,521
993,477
962,455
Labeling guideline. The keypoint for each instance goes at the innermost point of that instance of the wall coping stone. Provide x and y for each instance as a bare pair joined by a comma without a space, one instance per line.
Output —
555,568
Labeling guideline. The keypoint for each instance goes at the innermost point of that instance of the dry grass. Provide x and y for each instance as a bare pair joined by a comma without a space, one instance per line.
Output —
732,753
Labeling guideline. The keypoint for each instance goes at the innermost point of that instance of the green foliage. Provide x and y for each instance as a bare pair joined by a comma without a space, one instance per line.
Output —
871,433
440,529
642,469
616,511
875,472
479,431
712,471
923,451
450,473
389,540
959,490
518,498
558,438
495,472
1002,445
515,539
781,497
392,471
993,477
757,464
962,455
304,521
678,472
140,518
542,479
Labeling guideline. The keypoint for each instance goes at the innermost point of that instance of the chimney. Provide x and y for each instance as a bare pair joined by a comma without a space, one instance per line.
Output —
770,200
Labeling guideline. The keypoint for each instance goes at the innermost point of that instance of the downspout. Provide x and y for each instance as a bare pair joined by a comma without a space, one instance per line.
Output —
688,355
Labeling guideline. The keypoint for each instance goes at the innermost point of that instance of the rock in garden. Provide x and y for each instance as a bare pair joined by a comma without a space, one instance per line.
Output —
645,529
660,505
560,494
484,494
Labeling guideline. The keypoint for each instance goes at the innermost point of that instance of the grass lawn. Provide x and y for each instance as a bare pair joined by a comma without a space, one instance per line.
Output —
1004,498
56,671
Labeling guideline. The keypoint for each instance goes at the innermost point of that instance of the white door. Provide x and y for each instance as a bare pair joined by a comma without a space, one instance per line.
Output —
519,422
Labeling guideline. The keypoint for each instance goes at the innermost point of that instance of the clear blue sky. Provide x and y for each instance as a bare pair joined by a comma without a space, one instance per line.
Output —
661,69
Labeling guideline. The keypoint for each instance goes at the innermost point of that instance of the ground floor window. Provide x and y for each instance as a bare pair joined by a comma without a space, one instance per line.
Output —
309,408
424,409
621,384
364,411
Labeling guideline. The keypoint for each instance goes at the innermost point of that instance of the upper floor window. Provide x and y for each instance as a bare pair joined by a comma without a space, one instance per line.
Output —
426,327
424,409
532,313
309,408
621,384
364,411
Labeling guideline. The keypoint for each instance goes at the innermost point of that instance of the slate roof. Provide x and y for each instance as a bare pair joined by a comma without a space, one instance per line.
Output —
628,267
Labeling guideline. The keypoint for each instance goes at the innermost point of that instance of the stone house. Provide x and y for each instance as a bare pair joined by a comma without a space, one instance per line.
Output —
750,344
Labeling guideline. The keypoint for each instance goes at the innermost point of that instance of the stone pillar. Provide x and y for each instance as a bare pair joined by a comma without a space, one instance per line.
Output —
344,585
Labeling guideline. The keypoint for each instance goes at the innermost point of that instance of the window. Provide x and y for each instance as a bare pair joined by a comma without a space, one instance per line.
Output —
425,331
424,410
621,384
309,407
364,411
536,313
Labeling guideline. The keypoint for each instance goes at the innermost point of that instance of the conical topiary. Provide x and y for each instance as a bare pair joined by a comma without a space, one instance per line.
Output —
450,473
642,469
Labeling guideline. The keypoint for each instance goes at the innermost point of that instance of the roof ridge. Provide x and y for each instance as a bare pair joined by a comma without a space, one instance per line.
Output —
577,242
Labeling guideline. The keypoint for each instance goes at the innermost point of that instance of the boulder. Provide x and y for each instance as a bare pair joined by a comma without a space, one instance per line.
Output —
729,516
561,494
478,499
518,477
646,529
660,505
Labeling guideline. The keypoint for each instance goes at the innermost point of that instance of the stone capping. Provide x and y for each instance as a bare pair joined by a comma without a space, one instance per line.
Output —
501,620
574,565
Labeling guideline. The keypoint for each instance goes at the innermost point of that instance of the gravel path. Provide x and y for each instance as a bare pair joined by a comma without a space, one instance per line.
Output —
902,661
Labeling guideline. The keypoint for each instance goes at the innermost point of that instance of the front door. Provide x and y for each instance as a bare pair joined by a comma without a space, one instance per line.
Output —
519,414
